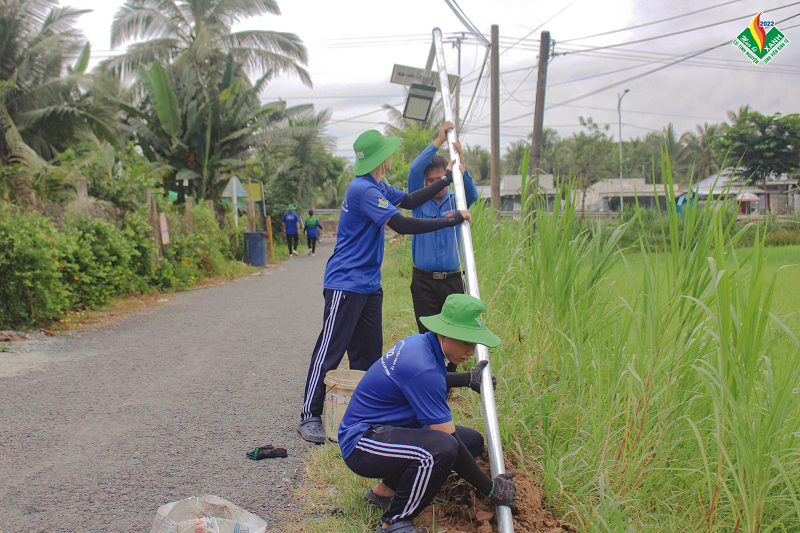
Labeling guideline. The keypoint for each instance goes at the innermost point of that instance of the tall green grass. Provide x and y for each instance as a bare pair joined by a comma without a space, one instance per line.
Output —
669,406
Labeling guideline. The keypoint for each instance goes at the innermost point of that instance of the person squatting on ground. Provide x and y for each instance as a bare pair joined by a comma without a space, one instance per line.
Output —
312,228
398,426
352,319
291,228
437,261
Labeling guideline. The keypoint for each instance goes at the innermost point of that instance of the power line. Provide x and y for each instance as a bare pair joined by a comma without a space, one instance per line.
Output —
628,43
539,26
649,23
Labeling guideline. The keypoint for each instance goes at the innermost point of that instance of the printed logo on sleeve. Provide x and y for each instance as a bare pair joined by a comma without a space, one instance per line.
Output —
382,202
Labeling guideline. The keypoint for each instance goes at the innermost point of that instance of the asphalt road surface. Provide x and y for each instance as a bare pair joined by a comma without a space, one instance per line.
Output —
99,429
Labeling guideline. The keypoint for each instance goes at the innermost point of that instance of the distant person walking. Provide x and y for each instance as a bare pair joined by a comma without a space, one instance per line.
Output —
291,228
353,318
312,228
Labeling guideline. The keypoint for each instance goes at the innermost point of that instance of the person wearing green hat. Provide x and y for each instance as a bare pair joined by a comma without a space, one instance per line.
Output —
399,428
291,228
352,318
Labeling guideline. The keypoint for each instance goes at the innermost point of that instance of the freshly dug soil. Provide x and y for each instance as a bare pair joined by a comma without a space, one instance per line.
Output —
467,511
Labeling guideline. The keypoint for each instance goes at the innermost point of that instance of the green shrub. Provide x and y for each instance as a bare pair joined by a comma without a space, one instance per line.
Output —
32,290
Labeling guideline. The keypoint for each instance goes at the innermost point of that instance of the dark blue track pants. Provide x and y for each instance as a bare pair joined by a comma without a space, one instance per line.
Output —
352,322
413,462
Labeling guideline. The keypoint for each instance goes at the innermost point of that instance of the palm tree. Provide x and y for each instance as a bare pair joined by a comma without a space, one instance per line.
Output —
200,32
44,101
700,152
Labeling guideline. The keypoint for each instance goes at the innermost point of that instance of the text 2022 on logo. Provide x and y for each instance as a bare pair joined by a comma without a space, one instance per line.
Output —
758,44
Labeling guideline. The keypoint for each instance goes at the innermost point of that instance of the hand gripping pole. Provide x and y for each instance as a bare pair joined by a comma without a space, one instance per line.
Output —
505,524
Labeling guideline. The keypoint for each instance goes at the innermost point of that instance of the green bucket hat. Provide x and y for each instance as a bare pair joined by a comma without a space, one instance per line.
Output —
372,149
463,317
291,207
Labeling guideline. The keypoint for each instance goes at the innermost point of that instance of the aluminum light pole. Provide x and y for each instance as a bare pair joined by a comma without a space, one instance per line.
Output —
505,523
619,112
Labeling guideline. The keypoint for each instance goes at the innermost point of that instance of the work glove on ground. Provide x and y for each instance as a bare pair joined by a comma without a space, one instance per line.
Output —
266,452
475,377
504,492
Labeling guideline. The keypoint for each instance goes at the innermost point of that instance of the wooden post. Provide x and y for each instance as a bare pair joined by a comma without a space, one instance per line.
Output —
495,121
155,223
251,207
188,214
269,238
83,195
33,199
538,116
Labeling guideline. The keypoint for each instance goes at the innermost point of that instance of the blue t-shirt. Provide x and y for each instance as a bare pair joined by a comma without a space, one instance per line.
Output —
312,227
437,251
290,220
404,388
356,261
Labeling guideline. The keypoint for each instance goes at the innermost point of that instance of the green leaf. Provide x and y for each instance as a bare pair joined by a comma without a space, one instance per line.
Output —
186,174
83,59
166,101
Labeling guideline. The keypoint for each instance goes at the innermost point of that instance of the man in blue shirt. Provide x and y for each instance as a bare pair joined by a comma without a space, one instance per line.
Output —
436,255
399,428
291,228
352,319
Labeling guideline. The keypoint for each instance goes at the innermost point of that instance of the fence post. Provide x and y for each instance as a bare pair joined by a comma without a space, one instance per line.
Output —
269,238
83,195
155,223
251,207
188,214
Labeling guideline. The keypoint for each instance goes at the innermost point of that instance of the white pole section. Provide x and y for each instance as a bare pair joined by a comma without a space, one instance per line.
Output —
505,524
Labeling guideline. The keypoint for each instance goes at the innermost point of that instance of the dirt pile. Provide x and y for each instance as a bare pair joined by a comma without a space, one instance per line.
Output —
460,509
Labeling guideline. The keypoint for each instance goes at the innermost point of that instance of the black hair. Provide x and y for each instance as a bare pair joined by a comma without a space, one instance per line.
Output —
437,163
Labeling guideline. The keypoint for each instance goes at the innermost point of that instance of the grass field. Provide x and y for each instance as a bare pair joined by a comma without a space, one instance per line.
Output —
647,391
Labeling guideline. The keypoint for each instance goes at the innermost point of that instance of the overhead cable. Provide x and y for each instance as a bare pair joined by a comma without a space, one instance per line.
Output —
628,43
538,27
563,41
466,22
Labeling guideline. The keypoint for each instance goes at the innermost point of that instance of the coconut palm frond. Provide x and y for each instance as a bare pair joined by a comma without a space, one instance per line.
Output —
257,60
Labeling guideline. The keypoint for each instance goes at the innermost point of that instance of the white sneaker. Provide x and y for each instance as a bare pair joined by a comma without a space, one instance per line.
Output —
313,255
295,252
309,252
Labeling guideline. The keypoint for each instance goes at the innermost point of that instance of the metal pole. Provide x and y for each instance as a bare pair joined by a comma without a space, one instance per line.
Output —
505,523
619,112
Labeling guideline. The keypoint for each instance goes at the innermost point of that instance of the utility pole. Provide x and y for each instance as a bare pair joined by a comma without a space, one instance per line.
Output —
538,116
619,112
495,122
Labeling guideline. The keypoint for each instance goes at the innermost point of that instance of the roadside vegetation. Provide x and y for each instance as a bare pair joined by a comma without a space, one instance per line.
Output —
648,375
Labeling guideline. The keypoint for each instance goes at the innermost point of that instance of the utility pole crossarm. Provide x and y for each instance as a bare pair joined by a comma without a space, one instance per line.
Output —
505,523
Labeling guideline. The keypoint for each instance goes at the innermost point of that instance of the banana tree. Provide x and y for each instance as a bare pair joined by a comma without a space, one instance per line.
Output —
204,122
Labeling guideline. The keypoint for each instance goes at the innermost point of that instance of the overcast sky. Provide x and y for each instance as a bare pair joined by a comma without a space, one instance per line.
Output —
353,45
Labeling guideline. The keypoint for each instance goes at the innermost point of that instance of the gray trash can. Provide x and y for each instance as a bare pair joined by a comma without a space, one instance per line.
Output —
255,248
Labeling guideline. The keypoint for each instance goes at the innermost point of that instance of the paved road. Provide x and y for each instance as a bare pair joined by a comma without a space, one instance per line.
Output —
99,429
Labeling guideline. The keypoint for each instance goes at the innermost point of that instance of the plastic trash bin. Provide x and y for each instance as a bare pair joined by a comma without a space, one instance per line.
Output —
255,248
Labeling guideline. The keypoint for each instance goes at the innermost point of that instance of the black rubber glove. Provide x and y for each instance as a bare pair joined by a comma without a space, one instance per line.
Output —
475,377
504,492
266,452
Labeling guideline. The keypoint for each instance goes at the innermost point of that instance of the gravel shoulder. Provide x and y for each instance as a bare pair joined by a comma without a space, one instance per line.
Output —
100,428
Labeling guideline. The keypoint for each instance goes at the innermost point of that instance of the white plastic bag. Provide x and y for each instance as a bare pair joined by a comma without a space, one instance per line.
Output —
206,514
